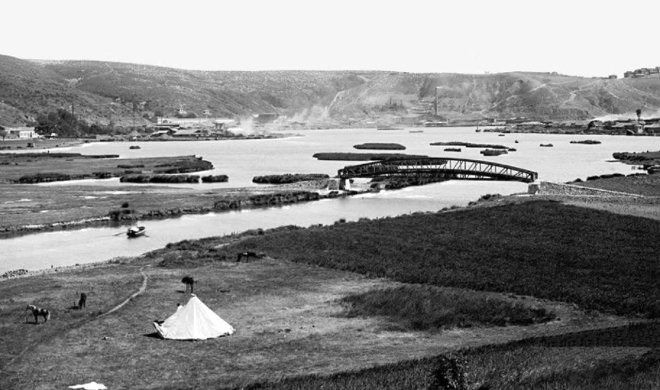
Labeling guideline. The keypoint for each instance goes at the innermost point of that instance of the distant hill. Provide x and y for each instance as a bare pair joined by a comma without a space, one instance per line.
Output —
101,92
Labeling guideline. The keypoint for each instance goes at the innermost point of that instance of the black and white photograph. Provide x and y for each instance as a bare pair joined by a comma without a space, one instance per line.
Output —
316,194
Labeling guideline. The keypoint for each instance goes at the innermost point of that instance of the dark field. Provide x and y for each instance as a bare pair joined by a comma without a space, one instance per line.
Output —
595,259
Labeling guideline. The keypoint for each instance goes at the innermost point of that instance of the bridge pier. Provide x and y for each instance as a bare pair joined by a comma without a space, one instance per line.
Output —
343,183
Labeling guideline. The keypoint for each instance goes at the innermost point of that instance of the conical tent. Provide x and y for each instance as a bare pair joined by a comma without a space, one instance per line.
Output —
194,321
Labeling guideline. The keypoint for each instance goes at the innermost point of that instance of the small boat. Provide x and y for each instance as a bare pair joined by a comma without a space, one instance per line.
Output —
452,149
416,131
516,141
134,147
136,231
546,145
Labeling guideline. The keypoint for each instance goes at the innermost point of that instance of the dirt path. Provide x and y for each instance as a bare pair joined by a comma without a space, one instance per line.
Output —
142,289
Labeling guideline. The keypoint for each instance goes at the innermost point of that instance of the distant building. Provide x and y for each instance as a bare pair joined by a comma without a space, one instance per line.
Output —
612,77
21,133
223,124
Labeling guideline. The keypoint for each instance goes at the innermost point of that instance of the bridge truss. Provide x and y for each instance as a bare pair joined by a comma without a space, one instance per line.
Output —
448,168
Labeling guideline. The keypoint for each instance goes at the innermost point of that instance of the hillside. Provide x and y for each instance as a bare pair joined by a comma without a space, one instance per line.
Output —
106,91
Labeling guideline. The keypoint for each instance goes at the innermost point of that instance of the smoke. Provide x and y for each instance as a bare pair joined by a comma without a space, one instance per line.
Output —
628,116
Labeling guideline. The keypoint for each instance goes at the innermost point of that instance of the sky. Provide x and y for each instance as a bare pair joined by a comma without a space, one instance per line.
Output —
585,38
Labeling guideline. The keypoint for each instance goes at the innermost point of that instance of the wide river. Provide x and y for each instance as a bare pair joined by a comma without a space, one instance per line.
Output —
243,159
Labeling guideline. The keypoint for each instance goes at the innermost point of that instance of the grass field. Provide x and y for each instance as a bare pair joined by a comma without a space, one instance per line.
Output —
647,185
420,307
595,259
295,328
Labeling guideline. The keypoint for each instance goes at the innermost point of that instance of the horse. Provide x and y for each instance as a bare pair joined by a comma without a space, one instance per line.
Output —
37,311
247,255
189,282
82,301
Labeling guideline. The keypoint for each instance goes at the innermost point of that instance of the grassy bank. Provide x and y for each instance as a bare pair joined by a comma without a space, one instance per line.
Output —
646,185
42,167
595,259
288,178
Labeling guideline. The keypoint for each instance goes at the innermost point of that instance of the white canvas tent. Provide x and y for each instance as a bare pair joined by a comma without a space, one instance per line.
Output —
193,321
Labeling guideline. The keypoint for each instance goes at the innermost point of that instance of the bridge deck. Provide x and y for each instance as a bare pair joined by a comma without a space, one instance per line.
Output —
452,168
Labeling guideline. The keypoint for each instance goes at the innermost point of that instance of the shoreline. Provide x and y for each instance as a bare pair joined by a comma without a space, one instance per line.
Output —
275,198
612,201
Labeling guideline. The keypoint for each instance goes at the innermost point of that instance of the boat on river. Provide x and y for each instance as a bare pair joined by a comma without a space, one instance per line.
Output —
136,231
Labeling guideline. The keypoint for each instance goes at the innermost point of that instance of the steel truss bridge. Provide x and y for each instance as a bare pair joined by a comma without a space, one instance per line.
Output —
447,168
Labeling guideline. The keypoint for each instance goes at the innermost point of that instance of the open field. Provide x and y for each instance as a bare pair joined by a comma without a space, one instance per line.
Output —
289,318
293,318
595,259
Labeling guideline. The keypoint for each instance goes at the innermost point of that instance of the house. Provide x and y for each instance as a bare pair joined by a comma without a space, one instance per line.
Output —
21,133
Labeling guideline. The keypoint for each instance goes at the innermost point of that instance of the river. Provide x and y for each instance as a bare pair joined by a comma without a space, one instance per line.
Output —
243,159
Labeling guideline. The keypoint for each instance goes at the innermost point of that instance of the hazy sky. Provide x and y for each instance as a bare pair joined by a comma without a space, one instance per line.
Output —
590,38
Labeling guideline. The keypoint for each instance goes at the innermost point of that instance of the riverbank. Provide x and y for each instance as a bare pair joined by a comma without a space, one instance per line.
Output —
40,143
47,167
30,209
297,324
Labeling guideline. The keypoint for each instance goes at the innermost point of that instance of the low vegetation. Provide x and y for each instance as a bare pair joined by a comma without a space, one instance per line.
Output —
645,158
288,178
438,372
215,179
44,167
420,307
160,179
380,146
363,156
635,183
472,145
595,259
615,358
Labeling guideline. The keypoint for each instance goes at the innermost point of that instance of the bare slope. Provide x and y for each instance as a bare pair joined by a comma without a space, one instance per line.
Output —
107,91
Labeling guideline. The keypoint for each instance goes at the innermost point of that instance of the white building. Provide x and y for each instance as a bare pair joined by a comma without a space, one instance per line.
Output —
21,133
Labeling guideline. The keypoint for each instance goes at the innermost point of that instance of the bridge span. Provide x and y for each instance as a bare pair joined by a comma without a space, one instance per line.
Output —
448,168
